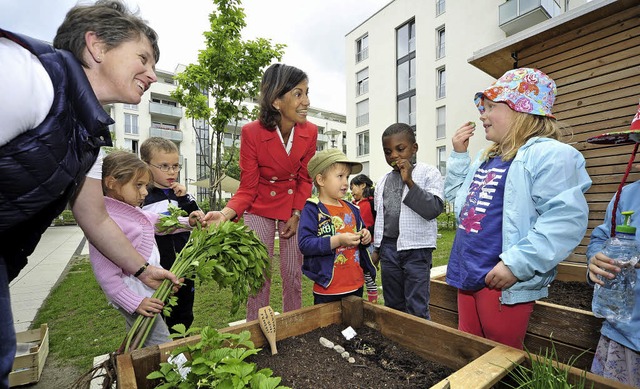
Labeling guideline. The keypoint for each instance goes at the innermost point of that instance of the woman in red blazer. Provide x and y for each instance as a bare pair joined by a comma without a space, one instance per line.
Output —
274,181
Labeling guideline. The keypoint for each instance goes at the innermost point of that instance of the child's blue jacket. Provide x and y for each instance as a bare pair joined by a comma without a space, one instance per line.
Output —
314,239
624,333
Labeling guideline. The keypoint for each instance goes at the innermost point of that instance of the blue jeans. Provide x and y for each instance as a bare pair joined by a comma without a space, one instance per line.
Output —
7,331
405,278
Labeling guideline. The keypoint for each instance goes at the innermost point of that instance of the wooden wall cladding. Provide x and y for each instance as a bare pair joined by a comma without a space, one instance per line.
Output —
597,70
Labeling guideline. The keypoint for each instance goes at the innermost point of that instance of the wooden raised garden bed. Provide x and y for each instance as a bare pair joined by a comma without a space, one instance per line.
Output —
479,363
573,331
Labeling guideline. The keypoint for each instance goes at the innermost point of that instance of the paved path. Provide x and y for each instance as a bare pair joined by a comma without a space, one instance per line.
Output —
46,264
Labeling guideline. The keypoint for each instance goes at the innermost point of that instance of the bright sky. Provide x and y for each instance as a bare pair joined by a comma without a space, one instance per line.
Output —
313,30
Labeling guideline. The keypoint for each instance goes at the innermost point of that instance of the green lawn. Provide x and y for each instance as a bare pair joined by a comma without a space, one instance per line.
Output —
82,324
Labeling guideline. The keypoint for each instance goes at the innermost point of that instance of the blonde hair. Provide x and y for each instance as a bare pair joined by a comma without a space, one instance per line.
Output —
124,167
524,127
154,144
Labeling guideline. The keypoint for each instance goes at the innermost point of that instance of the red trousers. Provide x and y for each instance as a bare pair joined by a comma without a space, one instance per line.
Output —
481,313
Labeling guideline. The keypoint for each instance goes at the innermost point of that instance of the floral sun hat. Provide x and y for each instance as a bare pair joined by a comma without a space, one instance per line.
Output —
523,90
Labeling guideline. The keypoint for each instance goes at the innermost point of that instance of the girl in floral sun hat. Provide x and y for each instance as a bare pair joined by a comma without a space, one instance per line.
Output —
520,206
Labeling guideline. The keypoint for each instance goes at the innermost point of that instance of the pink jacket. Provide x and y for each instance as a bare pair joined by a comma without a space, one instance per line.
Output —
139,227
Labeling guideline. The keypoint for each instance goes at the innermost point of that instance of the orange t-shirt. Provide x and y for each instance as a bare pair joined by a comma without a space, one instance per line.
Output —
348,276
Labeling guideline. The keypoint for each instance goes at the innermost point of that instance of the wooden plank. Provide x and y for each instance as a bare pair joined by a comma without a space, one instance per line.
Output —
125,372
352,311
571,272
539,345
582,36
443,295
615,73
571,61
444,316
615,100
568,325
489,368
428,339
598,93
144,361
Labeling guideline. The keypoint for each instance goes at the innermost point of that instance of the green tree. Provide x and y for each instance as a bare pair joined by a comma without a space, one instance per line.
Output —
232,167
228,71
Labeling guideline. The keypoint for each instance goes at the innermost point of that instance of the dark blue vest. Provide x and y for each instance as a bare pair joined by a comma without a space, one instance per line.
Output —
41,169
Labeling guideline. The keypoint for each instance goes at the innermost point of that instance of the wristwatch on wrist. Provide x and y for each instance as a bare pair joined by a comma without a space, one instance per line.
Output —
296,213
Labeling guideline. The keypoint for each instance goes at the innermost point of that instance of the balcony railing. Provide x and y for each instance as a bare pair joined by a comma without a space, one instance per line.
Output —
165,110
167,134
518,15
362,120
362,55
323,138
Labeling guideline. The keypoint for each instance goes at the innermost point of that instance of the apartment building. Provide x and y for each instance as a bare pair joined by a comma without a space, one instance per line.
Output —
409,63
160,115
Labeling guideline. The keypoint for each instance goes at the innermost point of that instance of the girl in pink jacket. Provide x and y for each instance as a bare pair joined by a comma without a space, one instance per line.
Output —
124,183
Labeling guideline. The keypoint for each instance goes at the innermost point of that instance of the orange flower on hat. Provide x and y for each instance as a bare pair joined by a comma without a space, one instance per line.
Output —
525,87
493,92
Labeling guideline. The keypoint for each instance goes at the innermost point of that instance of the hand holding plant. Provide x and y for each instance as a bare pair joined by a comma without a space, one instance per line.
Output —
229,253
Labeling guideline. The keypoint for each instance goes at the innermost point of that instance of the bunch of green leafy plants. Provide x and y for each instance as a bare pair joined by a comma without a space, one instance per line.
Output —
546,372
217,360
228,253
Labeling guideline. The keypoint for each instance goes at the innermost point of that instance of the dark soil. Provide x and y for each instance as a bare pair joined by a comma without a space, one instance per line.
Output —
570,294
379,363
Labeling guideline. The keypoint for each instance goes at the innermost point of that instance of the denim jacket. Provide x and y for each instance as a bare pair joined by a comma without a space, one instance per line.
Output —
545,212
314,239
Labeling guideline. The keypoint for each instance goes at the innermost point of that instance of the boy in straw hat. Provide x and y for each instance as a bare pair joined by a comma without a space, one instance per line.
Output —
332,235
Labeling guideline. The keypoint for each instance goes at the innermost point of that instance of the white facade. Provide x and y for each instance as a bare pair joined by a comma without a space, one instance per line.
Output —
446,35
159,115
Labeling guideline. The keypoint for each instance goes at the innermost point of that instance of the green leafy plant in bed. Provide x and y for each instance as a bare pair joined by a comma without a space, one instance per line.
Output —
217,360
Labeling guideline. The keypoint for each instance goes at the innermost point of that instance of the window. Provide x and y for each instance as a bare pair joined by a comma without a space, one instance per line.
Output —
441,91
440,52
407,76
202,149
407,110
131,145
441,152
362,82
362,113
440,7
362,48
131,106
344,142
406,73
363,143
441,126
406,39
164,101
131,124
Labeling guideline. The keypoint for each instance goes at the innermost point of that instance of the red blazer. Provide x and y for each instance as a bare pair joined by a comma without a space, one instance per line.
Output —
273,183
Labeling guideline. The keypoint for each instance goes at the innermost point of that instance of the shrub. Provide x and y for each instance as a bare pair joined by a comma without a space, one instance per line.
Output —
447,219
65,219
